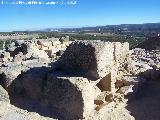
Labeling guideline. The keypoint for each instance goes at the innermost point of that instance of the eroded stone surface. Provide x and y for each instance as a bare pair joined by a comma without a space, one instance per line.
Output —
72,96
78,85
3,95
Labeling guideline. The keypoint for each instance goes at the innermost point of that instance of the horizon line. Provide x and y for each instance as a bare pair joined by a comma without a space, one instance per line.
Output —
74,27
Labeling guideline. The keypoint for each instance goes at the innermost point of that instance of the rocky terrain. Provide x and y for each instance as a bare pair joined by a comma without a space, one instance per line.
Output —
90,80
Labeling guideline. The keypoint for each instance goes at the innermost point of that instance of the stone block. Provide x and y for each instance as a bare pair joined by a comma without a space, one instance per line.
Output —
73,97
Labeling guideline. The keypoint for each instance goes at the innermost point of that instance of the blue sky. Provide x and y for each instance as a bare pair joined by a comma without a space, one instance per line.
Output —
83,13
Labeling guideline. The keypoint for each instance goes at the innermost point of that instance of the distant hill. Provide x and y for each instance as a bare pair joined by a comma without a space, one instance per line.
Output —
110,28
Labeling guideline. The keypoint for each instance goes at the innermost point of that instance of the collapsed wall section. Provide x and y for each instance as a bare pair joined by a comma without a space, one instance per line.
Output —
92,58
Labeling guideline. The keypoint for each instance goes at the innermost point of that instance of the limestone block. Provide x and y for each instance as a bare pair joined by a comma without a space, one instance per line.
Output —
64,39
120,51
4,56
36,53
107,83
19,57
44,43
55,42
9,74
73,97
3,95
52,52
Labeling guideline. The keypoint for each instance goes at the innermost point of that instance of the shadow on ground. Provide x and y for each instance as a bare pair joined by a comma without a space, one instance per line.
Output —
30,105
145,103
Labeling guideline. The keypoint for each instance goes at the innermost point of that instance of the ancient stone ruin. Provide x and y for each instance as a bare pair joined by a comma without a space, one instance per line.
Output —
74,83
74,80
85,70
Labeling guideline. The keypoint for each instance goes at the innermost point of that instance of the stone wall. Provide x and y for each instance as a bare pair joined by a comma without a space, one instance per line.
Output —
97,64
76,84
92,58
